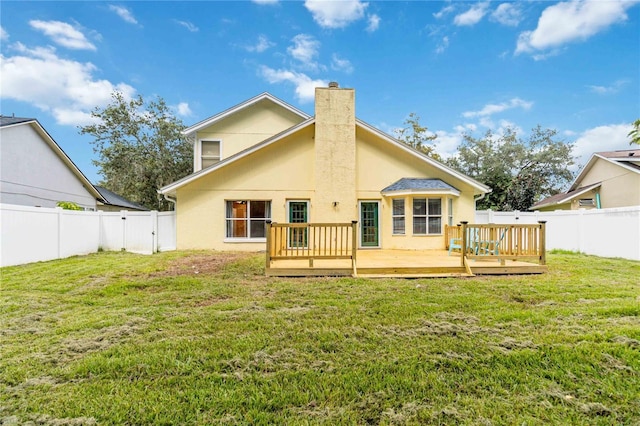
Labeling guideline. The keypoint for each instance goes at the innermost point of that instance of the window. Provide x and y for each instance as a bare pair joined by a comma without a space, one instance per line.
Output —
586,202
246,219
210,153
450,211
427,216
398,217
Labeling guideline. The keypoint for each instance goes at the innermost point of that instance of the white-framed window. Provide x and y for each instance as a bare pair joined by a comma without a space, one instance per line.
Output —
210,152
427,216
450,211
398,216
246,218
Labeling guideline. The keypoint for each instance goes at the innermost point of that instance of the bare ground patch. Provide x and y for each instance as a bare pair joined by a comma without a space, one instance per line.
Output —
200,264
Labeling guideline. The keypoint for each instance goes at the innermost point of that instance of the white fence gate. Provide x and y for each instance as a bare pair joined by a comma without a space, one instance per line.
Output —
601,232
32,234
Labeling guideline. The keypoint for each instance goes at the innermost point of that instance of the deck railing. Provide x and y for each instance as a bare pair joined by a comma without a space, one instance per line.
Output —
503,242
312,241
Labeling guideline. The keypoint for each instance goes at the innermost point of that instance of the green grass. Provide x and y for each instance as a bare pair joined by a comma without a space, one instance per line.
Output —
118,338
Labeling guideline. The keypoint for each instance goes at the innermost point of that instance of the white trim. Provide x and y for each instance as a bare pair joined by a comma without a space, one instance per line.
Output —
244,240
215,118
360,246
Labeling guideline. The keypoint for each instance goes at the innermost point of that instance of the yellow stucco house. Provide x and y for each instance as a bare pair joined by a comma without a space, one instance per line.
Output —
266,160
609,179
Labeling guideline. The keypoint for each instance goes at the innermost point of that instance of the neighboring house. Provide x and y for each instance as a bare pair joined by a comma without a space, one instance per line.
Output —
35,171
265,160
115,203
609,179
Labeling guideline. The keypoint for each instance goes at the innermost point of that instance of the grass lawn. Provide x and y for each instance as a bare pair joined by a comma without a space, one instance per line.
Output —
205,338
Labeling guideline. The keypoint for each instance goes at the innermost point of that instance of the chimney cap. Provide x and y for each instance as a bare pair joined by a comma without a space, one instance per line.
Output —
334,84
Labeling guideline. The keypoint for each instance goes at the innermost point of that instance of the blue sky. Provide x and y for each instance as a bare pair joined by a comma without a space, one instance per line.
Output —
461,66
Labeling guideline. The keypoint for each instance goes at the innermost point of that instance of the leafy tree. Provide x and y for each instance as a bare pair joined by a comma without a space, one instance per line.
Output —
417,136
140,148
634,134
520,172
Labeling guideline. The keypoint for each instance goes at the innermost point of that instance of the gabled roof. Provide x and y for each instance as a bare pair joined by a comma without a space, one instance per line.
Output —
113,199
564,197
171,188
6,122
224,114
628,159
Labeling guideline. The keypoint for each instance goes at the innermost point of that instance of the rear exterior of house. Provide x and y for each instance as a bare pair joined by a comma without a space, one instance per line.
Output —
264,160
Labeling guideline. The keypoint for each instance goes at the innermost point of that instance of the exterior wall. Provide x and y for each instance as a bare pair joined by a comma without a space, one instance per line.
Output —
379,165
280,172
246,128
620,186
32,174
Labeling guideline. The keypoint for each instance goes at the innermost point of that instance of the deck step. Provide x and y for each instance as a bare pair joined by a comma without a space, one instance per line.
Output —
426,275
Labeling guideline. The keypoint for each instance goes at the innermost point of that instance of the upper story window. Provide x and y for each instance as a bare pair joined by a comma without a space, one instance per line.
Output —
210,152
427,216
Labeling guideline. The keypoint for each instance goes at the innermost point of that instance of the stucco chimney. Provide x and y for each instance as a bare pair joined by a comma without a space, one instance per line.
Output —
335,154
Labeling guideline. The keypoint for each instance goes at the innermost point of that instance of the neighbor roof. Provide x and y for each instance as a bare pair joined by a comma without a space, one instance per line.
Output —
563,197
7,121
113,199
419,185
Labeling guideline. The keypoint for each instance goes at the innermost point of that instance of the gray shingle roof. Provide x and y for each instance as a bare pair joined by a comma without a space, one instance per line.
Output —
114,199
7,121
419,184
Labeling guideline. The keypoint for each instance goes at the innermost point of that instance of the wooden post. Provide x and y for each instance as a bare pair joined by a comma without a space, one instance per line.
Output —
463,249
543,242
267,231
354,245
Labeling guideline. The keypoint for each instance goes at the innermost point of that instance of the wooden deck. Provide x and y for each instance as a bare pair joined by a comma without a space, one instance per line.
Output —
403,263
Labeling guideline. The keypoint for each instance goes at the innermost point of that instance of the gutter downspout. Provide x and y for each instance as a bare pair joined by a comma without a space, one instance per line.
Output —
171,200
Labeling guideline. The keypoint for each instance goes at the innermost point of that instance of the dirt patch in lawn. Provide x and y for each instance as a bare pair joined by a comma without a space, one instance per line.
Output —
197,264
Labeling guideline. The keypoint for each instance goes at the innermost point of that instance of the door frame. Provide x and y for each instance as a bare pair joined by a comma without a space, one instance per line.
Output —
305,236
379,204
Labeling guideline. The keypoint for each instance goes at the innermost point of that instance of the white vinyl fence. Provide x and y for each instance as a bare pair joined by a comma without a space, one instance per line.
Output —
601,232
32,234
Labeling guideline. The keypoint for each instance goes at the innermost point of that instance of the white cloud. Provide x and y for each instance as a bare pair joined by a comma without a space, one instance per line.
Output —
182,109
335,14
442,46
472,16
65,88
305,50
609,137
446,144
4,36
188,25
607,90
491,109
304,85
63,34
444,11
507,14
265,2
374,23
339,64
571,21
261,45
124,13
